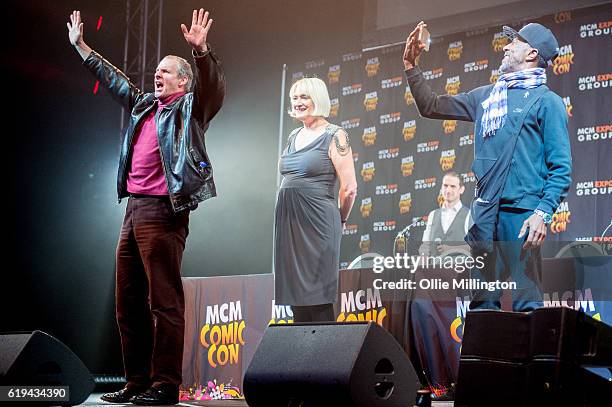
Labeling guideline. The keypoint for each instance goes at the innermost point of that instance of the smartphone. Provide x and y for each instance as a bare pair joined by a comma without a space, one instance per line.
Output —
425,38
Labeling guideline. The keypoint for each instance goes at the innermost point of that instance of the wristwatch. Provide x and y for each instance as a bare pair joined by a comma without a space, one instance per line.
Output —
546,217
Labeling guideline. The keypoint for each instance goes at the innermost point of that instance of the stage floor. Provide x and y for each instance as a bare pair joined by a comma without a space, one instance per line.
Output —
94,400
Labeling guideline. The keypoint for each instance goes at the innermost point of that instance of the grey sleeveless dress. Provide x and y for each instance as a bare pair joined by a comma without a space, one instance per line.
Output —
307,225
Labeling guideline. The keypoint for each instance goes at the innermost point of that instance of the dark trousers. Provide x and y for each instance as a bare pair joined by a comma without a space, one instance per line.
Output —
313,313
510,261
150,303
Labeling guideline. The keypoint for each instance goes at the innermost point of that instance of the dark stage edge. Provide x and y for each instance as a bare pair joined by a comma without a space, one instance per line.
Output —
94,400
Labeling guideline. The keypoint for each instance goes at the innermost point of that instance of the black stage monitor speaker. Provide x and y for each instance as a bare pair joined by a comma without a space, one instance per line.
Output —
534,358
331,364
38,359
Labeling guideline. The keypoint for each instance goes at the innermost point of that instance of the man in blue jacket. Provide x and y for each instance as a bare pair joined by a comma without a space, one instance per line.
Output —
522,159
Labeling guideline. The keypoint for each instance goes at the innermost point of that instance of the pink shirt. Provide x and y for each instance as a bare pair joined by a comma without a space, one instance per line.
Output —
146,175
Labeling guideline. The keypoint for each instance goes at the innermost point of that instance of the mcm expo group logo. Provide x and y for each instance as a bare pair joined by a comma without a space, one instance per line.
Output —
350,229
597,29
466,140
390,118
597,81
594,133
391,82
428,146
425,183
351,123
352,89
475,66
388,153
598,187
433,73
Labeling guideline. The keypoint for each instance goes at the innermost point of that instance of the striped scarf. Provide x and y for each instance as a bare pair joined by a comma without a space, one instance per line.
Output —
496,105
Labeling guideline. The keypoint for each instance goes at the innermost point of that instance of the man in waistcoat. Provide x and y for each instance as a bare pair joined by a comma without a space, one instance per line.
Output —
522,159
447,226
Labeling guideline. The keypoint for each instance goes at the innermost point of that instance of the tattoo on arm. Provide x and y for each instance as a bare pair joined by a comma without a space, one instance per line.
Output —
342,149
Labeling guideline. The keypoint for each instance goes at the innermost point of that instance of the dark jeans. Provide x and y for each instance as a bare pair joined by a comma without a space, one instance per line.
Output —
149,293
510,260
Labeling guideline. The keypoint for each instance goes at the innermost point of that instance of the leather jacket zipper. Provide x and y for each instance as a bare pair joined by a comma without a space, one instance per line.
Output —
161,153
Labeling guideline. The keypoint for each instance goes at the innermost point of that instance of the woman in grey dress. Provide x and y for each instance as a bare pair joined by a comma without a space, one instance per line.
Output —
308,221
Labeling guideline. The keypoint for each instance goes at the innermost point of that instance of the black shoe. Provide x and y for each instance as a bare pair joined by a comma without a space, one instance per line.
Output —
156,397
122,396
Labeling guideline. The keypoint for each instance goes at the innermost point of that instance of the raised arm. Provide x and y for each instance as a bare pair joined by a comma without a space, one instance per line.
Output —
109,76
431,105
209,86
75,35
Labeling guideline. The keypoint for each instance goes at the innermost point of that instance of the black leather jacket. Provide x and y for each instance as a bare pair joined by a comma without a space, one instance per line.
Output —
180,127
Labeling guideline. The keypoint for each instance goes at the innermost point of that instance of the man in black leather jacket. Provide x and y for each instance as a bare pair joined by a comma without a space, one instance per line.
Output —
165,172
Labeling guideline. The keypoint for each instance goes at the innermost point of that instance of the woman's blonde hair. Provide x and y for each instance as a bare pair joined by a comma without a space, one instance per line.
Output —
317,91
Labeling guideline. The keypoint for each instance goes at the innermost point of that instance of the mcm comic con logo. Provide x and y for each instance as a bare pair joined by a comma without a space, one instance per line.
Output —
452,85
367,171
333,74
366,207
223,333
454,50
405,203
409,130
362,305
563,63
369,136
372,67
561,218
499,42
407,166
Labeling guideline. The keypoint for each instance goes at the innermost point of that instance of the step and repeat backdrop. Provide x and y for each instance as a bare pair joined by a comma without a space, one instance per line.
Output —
400,157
